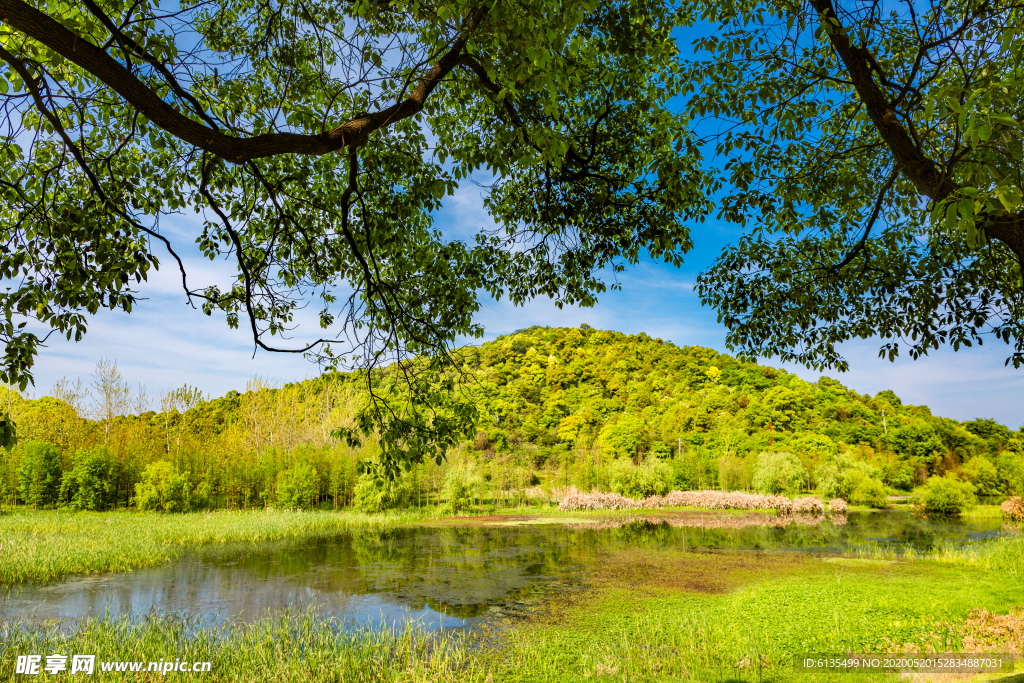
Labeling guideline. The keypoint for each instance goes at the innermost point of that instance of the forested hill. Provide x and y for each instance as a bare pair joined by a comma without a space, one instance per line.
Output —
557,406
552,387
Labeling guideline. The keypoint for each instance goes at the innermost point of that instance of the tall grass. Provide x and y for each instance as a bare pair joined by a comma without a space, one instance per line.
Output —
44,546
290,647
1004,555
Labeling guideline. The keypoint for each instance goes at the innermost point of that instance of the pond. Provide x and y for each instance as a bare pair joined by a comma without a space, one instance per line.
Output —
453,575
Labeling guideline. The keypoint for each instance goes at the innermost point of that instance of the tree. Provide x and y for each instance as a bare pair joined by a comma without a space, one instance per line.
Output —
297,486
87,485
39,474
165,489
777,473
113,395
182,401
316,140
872,152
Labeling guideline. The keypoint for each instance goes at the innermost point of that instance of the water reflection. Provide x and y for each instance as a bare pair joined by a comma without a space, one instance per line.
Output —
450,576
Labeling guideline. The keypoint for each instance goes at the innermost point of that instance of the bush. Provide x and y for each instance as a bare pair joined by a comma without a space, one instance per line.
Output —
39,474
652,477
297,486
870,492
945,496
1013,509
777,473
163,488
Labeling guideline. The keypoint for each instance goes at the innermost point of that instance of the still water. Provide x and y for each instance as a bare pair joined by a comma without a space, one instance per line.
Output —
451,576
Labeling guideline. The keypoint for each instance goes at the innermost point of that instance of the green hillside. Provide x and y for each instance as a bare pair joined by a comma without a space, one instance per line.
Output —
559,408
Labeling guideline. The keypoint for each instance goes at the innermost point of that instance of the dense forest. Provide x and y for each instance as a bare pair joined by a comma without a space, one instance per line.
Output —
561,409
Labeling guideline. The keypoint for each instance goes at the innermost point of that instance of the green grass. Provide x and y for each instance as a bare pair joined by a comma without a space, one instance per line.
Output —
808,606
629,627
983,512
46,545
649,615
1004,555
290,647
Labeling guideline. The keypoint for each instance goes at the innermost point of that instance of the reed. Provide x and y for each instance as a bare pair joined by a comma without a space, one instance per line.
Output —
1003,555
304,646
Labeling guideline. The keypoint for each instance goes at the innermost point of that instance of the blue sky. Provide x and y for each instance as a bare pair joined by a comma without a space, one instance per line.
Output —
163,343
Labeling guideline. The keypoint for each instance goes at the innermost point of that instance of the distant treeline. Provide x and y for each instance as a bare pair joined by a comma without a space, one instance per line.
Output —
560,408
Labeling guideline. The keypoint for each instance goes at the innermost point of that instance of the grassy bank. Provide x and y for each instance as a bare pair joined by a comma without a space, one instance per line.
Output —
46,545
648,615
746,616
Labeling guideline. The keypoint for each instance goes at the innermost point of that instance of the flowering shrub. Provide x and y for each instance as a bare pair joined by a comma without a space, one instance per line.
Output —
837,506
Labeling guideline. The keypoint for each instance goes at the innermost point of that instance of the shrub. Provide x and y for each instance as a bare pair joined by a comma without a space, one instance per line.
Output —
164,489
39,474
652,477
870,492
945,496
712,500
777,473
297,486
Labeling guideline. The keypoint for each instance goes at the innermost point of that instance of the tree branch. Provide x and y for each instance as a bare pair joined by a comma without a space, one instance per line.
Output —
354,133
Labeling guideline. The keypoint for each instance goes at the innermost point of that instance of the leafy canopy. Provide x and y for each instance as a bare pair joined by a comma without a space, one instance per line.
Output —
872,153
316,140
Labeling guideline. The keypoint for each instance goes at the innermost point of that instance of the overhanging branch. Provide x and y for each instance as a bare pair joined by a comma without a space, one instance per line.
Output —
354,133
